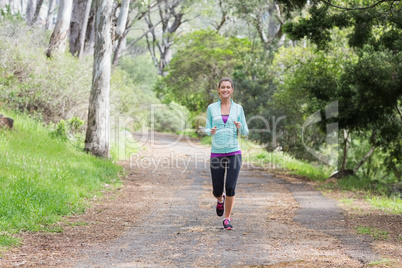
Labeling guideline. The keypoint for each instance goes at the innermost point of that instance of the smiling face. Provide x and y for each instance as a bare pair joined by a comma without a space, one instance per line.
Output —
225,90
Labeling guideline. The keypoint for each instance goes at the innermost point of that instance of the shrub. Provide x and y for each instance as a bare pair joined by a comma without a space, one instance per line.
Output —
54,88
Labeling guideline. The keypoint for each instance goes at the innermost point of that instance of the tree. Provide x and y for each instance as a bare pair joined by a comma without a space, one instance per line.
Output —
60,33
49,14
84,28
369,88
30,11
265,17
98,132
171,13
126,21
77,25
36,14
203,57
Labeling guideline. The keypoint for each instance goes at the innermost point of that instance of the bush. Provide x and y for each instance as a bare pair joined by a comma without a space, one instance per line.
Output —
54,88
170,118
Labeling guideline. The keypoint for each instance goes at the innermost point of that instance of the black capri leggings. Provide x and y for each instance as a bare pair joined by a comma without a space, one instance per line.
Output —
230,164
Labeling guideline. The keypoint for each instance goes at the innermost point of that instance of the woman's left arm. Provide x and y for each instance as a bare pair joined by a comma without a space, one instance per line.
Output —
242,119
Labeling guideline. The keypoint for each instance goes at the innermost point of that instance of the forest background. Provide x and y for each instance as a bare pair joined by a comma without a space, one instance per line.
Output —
319,81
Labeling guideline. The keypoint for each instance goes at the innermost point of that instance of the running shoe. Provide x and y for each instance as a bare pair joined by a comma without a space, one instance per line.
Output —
220,207
227,225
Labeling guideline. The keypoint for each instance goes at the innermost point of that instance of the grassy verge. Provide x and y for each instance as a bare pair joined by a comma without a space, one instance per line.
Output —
373,192
258,156
385,203
43,178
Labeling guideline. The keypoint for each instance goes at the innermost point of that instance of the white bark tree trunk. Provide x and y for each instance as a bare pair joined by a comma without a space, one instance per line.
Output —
59,36
37,11
30,11
49,17
84,28
122,20
98,132
76,25
3,3
171,20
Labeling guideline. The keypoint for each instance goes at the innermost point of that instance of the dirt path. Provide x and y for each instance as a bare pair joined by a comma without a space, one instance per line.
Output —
164,217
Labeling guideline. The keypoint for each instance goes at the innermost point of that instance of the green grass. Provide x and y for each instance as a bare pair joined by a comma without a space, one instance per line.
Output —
43,178
389,204
347,201
188,132
373,232
257,155
7,240
361,183
382,262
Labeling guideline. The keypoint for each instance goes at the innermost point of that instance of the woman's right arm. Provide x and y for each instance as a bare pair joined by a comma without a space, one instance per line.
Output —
208,123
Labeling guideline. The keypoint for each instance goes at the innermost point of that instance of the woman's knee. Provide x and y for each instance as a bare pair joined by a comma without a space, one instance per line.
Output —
217,194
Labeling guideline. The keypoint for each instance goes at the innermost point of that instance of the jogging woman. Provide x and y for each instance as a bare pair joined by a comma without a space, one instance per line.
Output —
225,119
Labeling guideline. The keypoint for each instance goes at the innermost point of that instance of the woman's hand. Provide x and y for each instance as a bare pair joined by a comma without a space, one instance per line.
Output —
237,124
213,130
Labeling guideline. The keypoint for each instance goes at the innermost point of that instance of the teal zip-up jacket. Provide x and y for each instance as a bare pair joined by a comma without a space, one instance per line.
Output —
225,139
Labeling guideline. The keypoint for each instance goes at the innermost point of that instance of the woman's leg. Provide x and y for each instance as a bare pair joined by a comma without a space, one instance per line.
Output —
233,170
229,204
218,177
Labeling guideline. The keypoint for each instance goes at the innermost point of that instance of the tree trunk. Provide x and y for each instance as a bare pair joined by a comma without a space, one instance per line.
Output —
76,25
37,11
49,17
30,11
345,149
369,153
98,132
3,3
84,28
116,53
90,34
122,20
120,32
167,11
59,36
364,159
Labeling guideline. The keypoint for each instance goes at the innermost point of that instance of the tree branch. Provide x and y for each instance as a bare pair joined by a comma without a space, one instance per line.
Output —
142,36
368,154
358,8
399,111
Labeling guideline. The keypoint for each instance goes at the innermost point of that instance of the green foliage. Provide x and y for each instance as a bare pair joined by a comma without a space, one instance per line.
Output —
53,89
135,102
202,58
66,130
367,89
42,179
254,89
7,15
369,94
169,118
379,26
306,82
